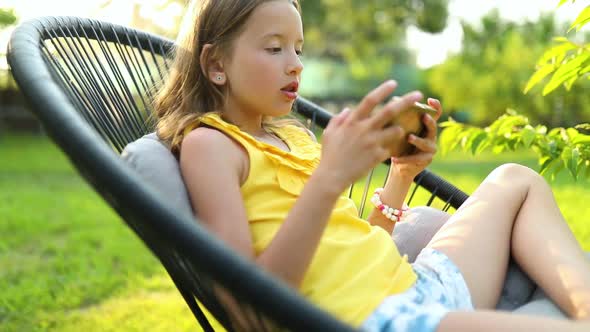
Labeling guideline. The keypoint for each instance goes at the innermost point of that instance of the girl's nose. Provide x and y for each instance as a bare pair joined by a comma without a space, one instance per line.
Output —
295,66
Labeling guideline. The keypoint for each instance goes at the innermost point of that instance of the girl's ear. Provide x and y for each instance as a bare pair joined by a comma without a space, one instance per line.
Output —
211,65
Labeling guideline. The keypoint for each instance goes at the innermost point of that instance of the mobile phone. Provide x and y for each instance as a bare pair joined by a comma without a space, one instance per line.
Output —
410,121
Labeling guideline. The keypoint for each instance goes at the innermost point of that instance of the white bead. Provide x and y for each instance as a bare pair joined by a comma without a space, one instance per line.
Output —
389,212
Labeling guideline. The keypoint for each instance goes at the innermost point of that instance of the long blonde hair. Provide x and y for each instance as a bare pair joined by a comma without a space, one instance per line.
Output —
188,93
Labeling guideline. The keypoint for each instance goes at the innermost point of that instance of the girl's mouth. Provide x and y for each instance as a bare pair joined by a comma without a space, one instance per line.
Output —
290,95
290,90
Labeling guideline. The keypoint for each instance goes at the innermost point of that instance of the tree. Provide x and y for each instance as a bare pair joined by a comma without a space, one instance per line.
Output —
558,148
367,35
7,17
148,15
492,69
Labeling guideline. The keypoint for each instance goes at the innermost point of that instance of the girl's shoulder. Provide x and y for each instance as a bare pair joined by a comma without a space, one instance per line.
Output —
205,143
210,140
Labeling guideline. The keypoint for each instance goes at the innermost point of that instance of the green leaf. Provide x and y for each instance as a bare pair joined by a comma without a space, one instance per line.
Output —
546,166
552,147
581,20
538,76
566,72
464,137
541,130
449,138
558,51
508,125
584,70
476,141
583,126
572,133
571,158
528,135
558,168
581,139
498,148
569,83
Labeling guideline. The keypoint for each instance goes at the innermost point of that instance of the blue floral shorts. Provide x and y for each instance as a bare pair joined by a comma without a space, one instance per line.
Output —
440,288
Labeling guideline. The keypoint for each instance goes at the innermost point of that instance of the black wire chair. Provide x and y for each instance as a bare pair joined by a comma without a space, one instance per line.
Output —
91,83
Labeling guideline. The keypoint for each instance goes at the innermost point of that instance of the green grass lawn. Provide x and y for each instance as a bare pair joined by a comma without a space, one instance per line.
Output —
67,262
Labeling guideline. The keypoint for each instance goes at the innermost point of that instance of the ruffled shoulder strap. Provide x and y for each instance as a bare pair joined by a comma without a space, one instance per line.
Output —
302,145
303,157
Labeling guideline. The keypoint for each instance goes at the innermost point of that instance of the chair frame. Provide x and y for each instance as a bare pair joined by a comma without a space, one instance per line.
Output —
186,249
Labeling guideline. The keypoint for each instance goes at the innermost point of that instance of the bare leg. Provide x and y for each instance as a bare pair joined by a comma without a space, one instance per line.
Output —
484,321
514,209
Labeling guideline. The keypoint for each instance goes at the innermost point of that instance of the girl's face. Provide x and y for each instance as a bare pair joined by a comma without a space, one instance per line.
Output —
264,70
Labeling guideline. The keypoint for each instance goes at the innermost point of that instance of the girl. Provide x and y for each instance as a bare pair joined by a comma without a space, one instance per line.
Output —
261,186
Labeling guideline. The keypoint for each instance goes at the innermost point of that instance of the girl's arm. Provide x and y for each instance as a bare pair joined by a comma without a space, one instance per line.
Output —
214,166
403,170
394,194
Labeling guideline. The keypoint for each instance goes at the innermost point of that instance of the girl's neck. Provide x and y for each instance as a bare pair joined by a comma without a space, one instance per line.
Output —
249,123
252,124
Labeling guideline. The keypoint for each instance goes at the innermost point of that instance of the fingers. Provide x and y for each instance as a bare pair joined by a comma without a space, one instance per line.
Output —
420,159
392,134
342,116
373,99
430,126
423,144
435,103
339,118
382,154
394,107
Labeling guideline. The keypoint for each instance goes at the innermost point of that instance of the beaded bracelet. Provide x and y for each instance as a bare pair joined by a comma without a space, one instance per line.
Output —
389,212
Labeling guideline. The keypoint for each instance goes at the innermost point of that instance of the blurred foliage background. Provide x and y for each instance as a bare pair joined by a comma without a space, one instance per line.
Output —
64,270
352,45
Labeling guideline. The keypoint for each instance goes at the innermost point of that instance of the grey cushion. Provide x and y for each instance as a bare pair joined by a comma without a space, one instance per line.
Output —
154,162
541,307
417,229
159,168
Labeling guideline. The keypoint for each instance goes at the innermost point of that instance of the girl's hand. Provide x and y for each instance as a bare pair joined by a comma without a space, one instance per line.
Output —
356,141
408,167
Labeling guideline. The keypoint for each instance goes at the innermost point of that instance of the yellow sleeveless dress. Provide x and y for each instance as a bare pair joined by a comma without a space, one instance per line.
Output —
356,265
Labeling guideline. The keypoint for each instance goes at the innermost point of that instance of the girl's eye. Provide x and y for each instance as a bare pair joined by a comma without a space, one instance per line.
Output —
274,49
299,52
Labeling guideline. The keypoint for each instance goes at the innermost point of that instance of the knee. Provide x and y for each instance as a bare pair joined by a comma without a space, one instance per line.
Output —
517,175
